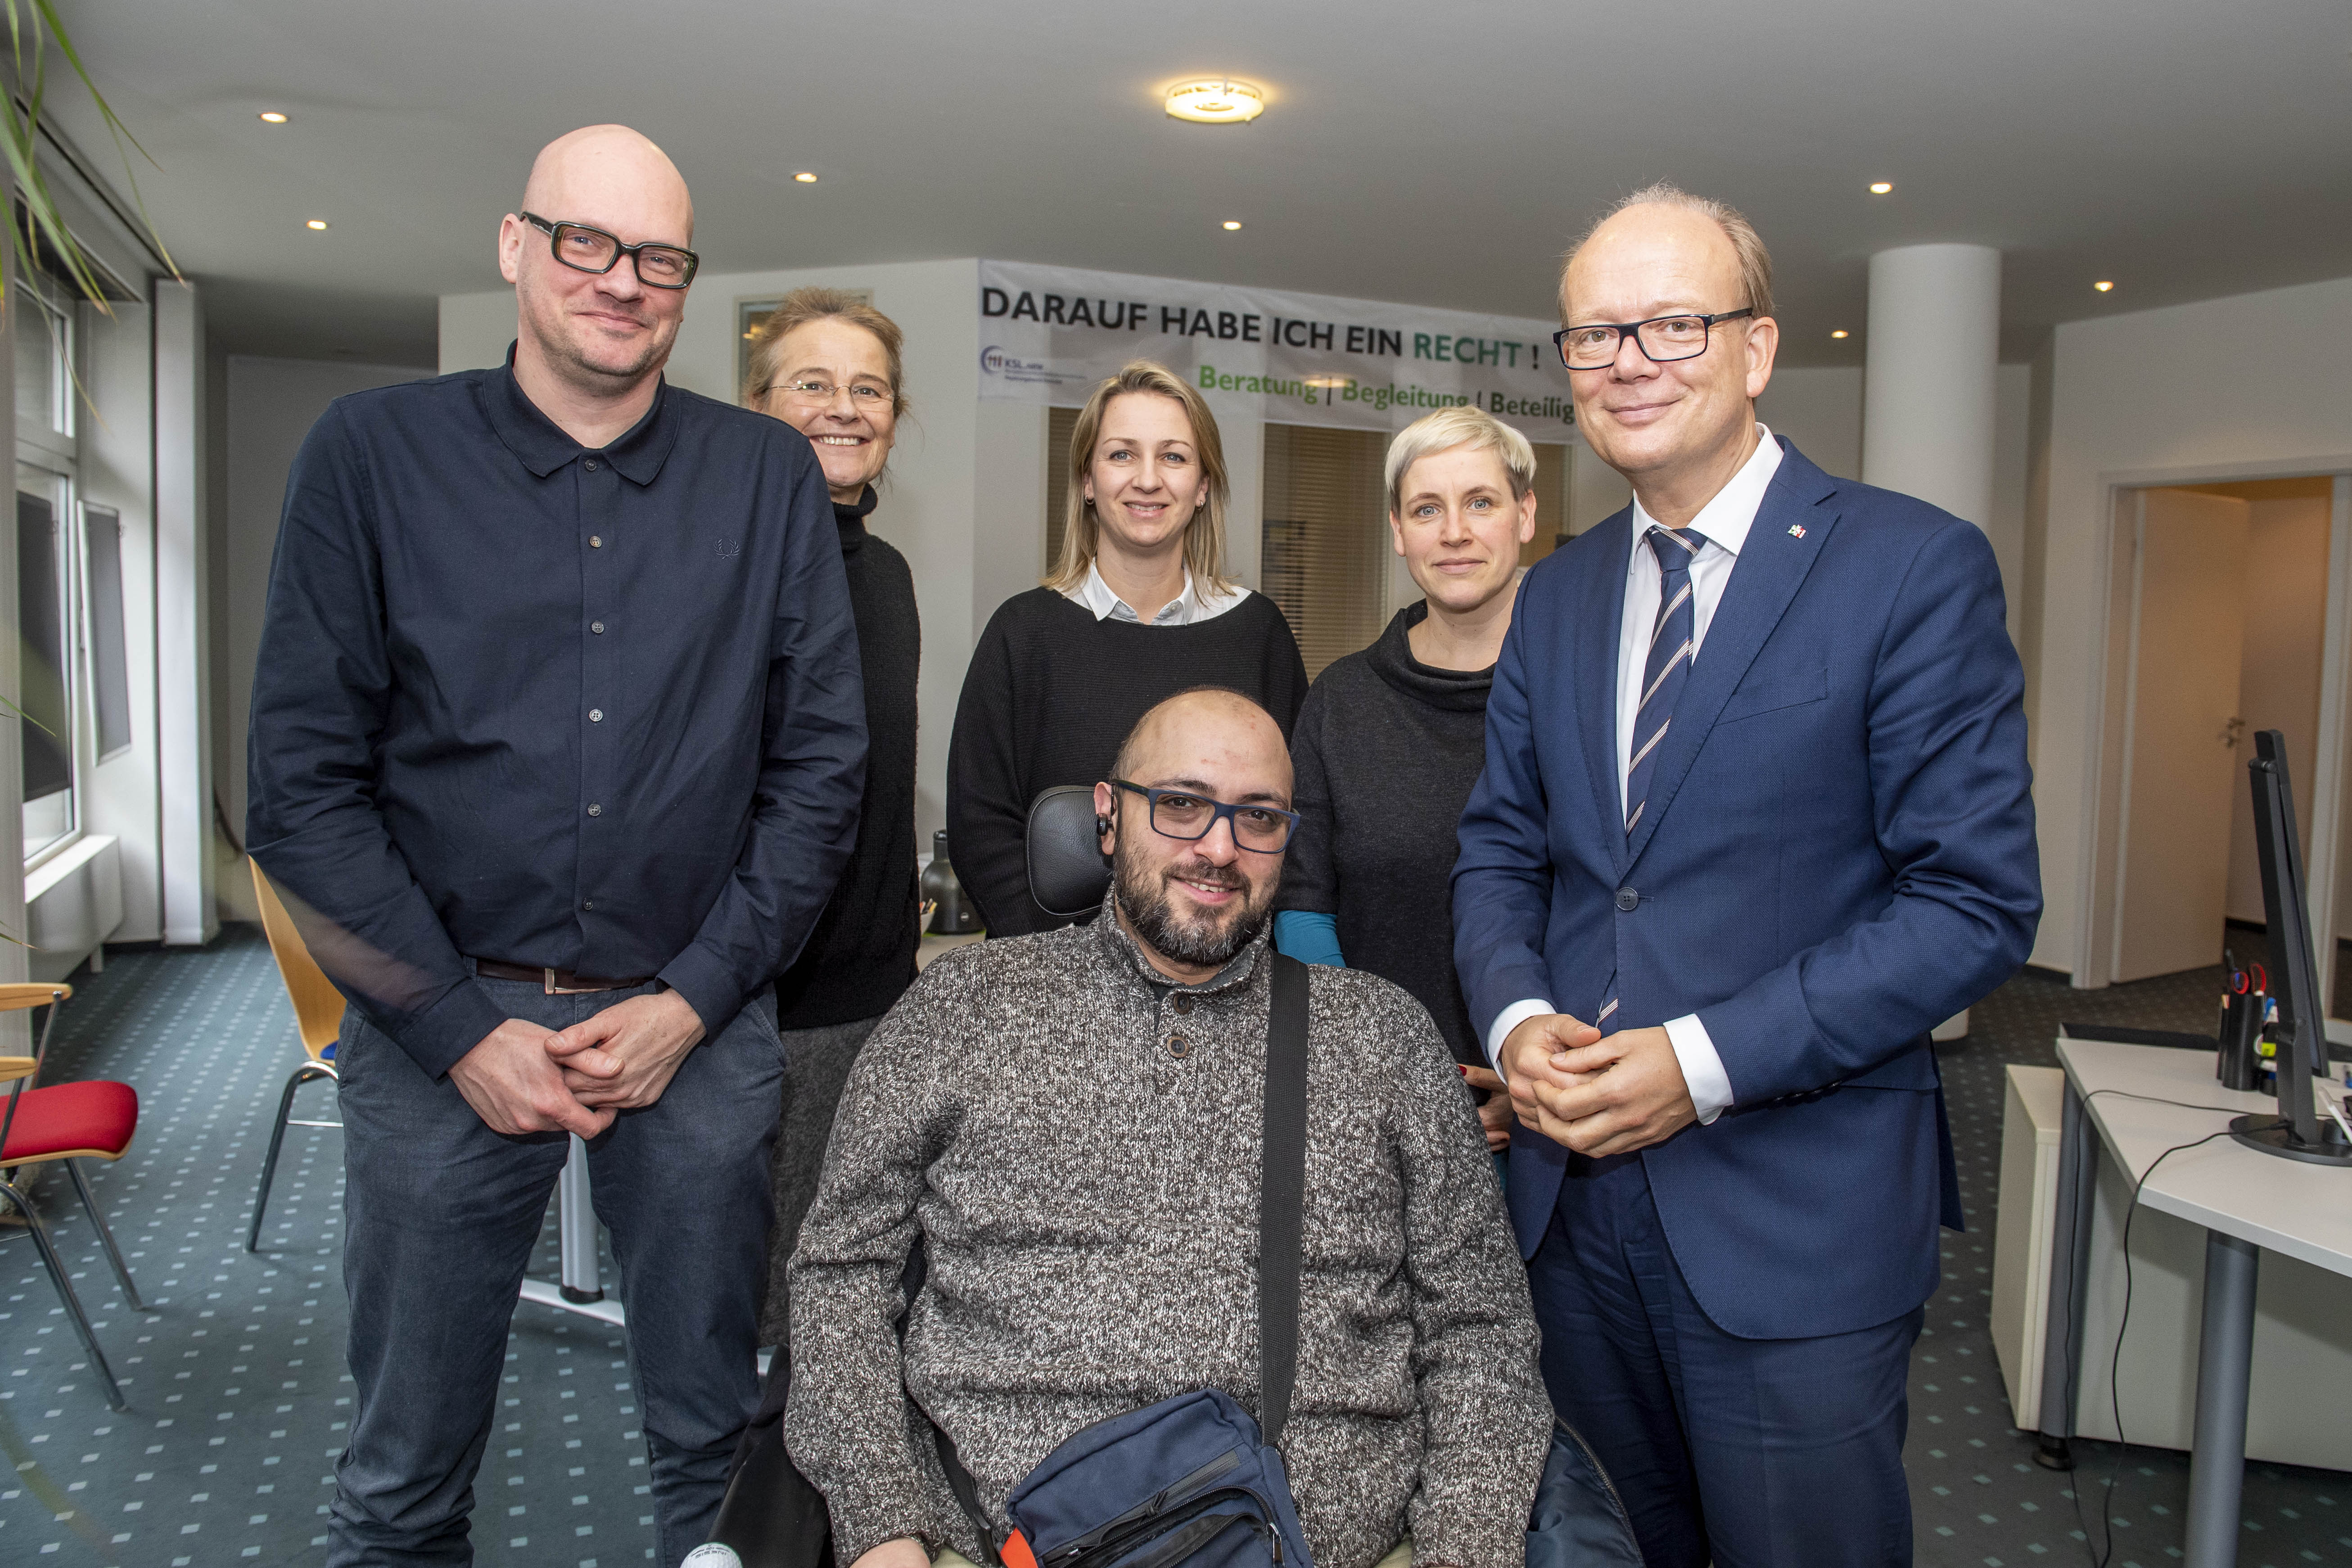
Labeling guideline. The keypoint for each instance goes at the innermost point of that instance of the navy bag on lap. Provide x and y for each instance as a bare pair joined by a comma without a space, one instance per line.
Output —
1227,1506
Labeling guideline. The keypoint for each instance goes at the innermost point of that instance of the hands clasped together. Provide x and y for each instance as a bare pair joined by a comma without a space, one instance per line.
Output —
1597,1094
526,1078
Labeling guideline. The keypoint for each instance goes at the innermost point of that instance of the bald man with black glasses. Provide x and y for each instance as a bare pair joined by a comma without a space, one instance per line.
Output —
557,744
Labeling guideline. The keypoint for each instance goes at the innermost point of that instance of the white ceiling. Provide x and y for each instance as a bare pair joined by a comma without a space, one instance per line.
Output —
1431,152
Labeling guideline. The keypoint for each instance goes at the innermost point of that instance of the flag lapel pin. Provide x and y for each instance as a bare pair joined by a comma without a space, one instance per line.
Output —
1796,530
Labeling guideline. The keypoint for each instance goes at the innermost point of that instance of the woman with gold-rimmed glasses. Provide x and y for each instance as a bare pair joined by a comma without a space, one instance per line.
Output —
828,364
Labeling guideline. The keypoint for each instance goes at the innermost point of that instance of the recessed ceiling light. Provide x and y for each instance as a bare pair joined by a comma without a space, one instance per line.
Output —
316,223
805,178
1232,223
1839,333
1218,101
1880,187
273,116
2103,286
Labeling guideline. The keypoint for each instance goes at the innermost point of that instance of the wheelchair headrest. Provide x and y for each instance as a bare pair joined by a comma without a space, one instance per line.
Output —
1067,871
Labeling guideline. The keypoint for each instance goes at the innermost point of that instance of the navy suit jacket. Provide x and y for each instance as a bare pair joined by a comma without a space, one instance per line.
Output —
1838,855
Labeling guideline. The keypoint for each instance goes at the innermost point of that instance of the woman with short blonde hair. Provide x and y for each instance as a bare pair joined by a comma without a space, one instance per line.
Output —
1138,608
1391,739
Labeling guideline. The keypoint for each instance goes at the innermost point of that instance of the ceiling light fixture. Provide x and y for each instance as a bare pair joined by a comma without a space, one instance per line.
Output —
1839,333
1219,101
318,223
1881,187
273,117
2103,288
1231,224
805,178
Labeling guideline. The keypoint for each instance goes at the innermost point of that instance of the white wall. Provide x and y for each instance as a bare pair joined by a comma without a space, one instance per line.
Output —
1818,407
2135,399
183,696
969,530
272,404
2285,594
123,797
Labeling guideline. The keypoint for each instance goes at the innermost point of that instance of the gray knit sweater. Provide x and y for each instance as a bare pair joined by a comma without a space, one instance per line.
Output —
1080,1156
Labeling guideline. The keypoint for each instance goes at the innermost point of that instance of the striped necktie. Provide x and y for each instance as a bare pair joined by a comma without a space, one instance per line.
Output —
1672,644
1673,641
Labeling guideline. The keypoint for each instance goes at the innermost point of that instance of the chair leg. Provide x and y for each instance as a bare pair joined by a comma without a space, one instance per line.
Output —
302,1074
113,1253
58,1276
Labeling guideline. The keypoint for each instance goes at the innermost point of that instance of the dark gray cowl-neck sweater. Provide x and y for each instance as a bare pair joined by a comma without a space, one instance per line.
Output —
1387,750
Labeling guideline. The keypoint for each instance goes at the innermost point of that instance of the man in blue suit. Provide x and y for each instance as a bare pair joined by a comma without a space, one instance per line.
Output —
1754,819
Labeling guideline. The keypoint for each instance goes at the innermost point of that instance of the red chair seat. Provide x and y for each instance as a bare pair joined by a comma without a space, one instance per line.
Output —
97,1117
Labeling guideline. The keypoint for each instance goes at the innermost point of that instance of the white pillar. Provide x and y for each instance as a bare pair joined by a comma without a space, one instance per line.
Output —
181,616
1933,355
1933,350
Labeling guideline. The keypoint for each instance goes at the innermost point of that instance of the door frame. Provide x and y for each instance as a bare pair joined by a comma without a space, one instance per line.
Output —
2099,861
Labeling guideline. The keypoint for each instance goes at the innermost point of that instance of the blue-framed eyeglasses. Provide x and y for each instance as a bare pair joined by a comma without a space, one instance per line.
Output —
1181,814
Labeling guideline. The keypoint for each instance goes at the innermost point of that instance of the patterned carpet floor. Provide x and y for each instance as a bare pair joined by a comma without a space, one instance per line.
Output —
236,1378
1978,1498
239,1400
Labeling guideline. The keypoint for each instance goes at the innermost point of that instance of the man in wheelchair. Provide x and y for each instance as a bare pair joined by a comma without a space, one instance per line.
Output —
1069,1125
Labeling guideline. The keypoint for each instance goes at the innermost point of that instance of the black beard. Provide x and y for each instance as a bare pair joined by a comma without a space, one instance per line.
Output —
1209,941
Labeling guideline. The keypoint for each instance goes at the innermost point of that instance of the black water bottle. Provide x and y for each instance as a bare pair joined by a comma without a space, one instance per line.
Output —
952,914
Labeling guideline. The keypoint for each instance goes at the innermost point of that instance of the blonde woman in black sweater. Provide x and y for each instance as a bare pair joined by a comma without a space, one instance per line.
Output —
1392,737
1137,610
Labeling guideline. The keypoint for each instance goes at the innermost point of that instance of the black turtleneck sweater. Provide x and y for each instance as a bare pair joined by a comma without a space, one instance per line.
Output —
862,953
1387,750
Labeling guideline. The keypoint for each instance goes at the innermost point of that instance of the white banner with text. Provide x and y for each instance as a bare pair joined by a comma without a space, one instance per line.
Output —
1048,334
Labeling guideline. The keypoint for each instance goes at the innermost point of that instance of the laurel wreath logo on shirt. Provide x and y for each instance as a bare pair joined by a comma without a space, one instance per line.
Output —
730,548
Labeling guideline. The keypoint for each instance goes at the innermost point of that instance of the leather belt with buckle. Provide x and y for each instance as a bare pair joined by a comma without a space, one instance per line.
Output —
557,981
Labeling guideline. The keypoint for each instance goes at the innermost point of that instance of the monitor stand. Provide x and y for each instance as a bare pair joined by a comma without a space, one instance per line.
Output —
2275,1135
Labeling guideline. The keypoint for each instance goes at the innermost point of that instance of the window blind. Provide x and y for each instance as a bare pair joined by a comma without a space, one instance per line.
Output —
1058,425
1326,546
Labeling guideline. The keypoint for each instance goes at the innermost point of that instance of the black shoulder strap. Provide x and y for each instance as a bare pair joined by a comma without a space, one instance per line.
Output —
1282,1195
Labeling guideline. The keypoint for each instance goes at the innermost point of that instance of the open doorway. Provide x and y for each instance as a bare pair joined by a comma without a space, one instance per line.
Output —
2227,622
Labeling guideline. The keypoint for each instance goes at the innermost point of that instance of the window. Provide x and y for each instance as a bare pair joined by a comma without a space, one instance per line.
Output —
1551,503
44,353
1328,553
50,562
1325,550
1059,423
44,682
109,656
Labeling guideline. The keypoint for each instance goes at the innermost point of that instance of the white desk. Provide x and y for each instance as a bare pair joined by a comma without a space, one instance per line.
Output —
2246,1201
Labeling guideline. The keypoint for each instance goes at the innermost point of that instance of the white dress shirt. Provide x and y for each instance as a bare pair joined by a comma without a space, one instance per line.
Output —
1181,611
1724,522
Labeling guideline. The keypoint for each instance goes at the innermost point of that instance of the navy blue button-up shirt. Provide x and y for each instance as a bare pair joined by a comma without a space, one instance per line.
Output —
594,711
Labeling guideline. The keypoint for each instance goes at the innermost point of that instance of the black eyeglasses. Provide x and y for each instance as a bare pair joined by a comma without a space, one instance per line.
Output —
1663,339
1181,814
585,249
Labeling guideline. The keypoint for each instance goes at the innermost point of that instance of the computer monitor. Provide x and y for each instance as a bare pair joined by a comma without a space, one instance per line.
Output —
2298,1131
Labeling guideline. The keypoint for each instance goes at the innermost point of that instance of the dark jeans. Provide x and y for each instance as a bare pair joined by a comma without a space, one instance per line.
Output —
1747,1453
442,1215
